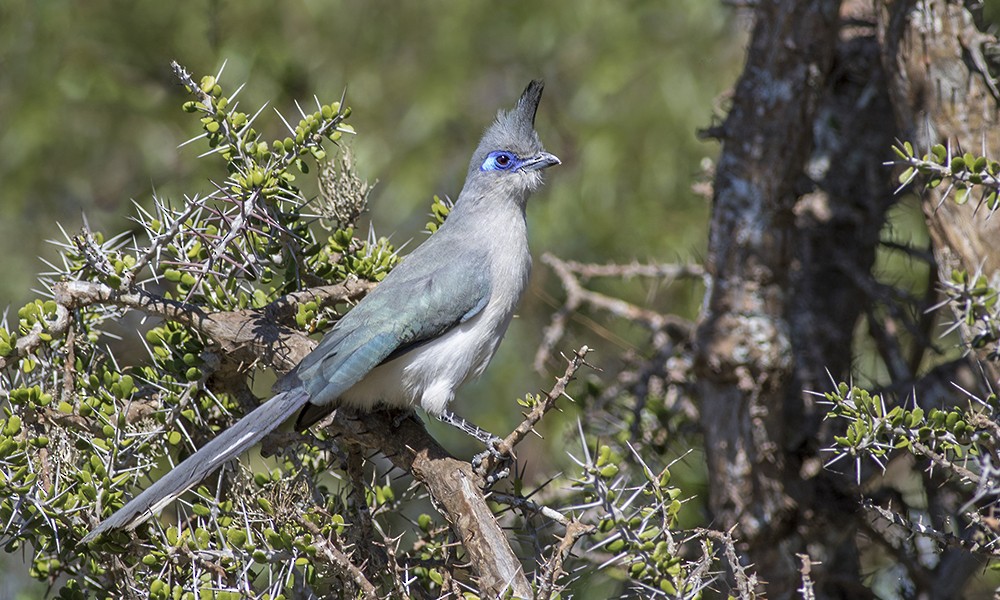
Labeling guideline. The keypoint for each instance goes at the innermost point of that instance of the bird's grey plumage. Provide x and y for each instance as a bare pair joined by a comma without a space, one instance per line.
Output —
431,325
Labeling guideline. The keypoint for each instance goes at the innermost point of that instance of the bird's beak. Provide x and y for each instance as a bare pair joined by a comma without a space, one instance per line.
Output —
540,161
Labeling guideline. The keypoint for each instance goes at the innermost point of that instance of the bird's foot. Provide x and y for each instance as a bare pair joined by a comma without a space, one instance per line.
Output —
501,462
501,459
479,433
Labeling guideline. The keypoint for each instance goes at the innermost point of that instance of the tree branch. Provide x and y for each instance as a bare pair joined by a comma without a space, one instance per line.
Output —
245,336
577,295
539,409
455,489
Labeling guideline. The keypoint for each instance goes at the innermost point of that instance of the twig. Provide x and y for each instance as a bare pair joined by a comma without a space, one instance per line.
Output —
947,539
158,241
552,570
538,411
577,296
92,253
807,583
527,505
746,583
337,559
636,269
941,461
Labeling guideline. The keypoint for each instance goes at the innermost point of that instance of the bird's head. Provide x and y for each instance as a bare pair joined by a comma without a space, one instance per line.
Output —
510,157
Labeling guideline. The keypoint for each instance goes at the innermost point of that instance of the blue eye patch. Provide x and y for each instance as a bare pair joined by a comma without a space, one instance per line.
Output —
500,160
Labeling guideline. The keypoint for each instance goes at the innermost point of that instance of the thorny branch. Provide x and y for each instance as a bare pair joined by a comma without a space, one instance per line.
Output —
339,560
746,582
158,241
540,408
452,484
552,570
909,526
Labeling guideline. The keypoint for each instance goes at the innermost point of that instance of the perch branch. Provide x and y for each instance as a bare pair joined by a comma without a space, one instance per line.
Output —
455,488
544,405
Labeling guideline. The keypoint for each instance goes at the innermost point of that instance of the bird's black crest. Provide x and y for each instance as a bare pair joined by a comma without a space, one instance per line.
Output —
514,130
527,106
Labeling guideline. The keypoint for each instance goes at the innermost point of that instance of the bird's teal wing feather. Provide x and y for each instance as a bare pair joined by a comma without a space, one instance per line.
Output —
411,306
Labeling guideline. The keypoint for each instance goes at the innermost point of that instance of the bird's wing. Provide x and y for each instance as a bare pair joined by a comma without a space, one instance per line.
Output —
415,303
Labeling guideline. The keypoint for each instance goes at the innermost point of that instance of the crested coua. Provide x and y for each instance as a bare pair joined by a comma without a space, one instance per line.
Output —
432,324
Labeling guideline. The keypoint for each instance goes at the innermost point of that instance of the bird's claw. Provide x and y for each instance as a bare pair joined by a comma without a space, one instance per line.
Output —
496,476
501,459
491,450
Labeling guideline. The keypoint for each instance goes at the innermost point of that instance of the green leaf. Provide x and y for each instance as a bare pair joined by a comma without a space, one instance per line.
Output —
940,153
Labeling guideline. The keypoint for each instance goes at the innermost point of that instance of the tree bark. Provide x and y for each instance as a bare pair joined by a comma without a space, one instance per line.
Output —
943,92
799,203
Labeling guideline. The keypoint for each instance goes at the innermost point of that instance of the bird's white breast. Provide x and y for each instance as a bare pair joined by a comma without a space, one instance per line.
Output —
431,372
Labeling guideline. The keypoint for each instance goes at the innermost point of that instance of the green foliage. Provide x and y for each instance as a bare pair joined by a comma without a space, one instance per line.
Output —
873,430
968,175
956,440
637,526
80,429
439,212
974,303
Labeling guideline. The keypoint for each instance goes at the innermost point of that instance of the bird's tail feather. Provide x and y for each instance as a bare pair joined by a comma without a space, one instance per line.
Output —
234,441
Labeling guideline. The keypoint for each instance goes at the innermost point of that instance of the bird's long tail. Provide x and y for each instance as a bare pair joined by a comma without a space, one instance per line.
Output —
234,441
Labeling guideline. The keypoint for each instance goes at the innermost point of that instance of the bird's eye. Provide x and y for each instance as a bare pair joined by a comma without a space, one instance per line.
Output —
499,160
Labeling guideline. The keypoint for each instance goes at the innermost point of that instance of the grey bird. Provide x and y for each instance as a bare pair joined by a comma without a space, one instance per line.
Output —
432,324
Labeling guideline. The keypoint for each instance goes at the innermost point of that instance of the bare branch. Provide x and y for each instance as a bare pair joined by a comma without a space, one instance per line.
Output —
539,409
577,295
340,561
552,570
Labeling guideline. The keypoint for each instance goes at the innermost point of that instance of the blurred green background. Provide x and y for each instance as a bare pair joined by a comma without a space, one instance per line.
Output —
90,119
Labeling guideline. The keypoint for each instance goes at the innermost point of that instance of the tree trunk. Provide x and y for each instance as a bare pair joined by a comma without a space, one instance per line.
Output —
938,60
799,203
944,94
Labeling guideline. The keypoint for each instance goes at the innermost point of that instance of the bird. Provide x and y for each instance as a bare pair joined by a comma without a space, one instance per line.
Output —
432,324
